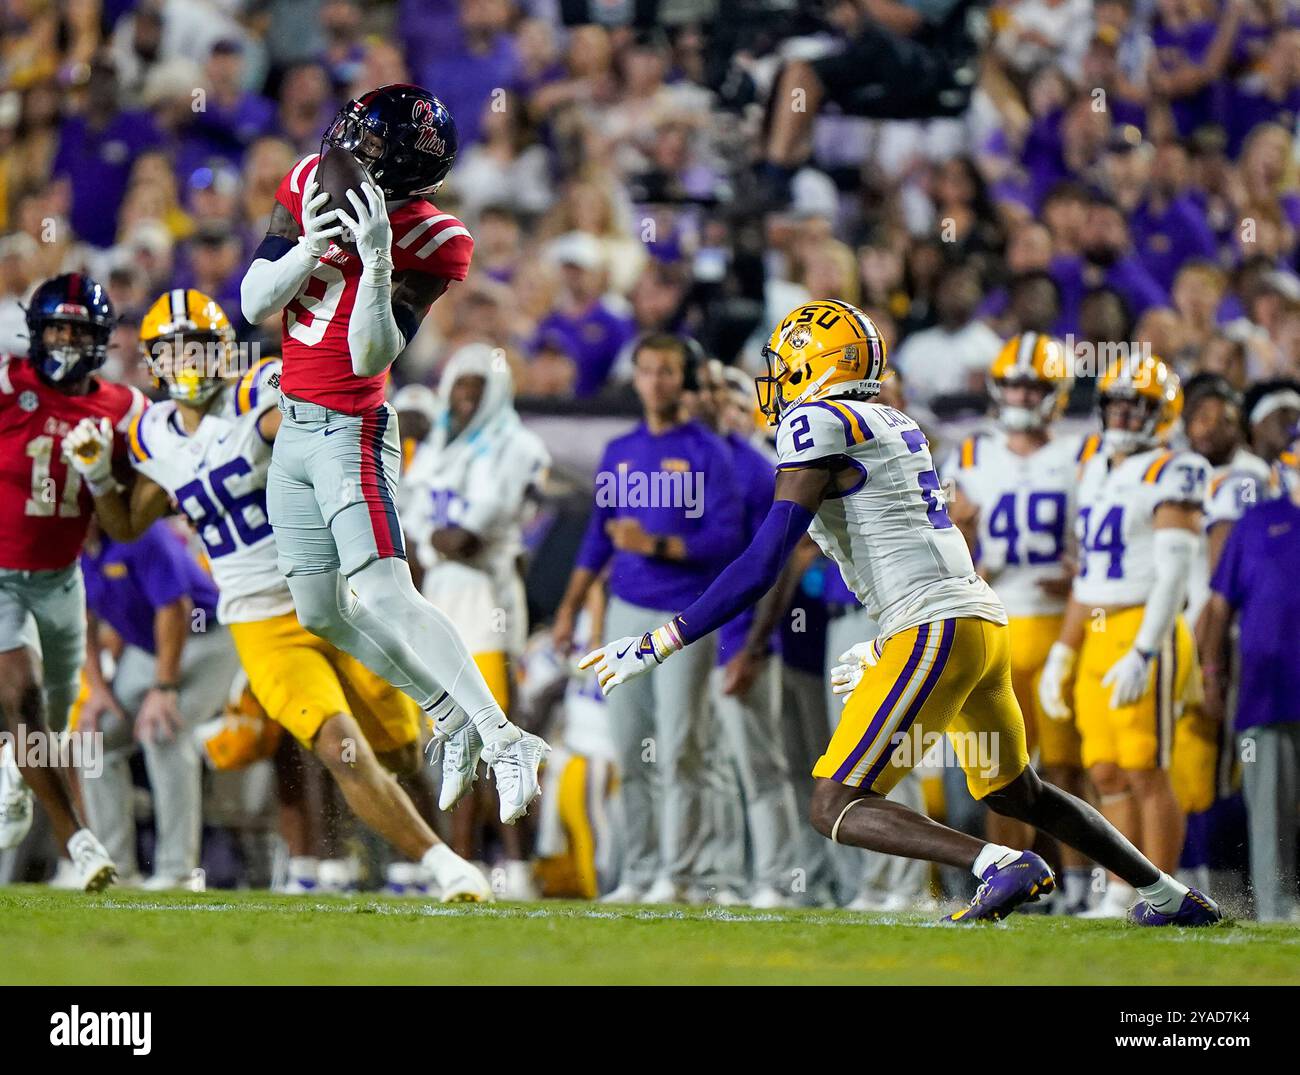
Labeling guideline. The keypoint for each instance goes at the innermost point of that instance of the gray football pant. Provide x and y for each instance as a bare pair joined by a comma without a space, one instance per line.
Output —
658,722
862,871
751,726
1270,784
331,495
208,667
46,612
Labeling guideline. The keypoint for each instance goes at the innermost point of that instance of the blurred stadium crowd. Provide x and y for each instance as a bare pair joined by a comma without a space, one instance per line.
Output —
1120,170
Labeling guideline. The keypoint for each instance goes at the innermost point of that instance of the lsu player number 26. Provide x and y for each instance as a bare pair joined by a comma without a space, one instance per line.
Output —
858,476
1123,640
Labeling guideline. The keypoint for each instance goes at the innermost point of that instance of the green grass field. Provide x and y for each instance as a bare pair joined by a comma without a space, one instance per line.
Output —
50,937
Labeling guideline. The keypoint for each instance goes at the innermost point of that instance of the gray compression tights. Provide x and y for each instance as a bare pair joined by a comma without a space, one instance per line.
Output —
380,618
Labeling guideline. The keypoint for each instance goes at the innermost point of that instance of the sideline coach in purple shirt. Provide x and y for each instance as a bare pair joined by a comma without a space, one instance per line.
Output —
174,672
1255,582
667,518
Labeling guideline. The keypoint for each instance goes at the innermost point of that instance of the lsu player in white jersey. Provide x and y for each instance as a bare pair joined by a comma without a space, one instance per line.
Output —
1123,639
857,476
462,503
1011,493
205,450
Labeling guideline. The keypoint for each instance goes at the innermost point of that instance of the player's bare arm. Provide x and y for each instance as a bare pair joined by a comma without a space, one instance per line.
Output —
456,543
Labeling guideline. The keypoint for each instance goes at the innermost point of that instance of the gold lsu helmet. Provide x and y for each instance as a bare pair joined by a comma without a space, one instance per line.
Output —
1147,379
1032,358
820,349
188,344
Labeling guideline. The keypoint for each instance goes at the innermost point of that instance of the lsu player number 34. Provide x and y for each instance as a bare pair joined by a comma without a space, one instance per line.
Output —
859,477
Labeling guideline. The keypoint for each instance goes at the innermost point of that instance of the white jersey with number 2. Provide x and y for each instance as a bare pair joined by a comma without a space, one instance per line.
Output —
889,532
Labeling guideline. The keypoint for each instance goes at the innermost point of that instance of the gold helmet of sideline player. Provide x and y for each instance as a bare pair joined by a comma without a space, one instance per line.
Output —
1156,401
188,344
820,349
1034,361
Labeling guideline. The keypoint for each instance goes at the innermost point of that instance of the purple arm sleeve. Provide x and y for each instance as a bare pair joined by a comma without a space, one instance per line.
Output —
750,575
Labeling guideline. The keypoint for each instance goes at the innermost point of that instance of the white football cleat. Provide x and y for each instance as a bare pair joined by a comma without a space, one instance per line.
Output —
458,881
1114,903
15,802
460,755
769,898
95,870
626,893
664,890
514,767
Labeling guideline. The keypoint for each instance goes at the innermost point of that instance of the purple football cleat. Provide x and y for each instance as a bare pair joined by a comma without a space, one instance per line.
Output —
1197,909
1023,880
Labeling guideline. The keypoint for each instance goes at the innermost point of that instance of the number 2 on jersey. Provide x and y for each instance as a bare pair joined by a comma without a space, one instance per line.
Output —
936,509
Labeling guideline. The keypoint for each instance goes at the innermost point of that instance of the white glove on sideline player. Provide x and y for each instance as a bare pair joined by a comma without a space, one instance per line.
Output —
1130,676
88,449
1057,669
853,665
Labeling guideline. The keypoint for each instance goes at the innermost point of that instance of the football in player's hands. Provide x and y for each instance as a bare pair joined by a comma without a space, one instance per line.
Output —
337,173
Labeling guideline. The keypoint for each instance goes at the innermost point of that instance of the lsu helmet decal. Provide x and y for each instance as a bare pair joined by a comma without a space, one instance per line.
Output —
820,349
1145,379
1031,358
188,344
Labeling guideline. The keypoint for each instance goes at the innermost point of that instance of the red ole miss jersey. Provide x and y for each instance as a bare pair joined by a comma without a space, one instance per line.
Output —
317,362
43,505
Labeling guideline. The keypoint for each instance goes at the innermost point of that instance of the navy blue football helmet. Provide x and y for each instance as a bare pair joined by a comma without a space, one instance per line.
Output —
402,135
72,298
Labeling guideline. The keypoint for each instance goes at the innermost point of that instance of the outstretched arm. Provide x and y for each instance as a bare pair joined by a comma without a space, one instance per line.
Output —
799,493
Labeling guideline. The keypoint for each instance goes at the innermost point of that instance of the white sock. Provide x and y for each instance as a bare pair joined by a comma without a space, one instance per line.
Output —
992,855
1165,894
1119,893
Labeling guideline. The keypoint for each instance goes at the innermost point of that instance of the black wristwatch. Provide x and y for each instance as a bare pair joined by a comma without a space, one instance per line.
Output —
661,548
173,687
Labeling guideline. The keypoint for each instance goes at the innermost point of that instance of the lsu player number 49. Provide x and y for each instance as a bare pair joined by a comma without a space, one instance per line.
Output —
858,476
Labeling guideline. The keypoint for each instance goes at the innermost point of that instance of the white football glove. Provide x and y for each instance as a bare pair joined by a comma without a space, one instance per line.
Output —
623,659
1057,669
318,228
369,225
88,449
853,665
1131,678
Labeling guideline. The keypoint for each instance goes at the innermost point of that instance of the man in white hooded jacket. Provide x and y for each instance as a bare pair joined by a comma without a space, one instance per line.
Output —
462,502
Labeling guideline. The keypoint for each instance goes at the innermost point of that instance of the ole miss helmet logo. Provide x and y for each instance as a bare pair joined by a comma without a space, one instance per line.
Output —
427,138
